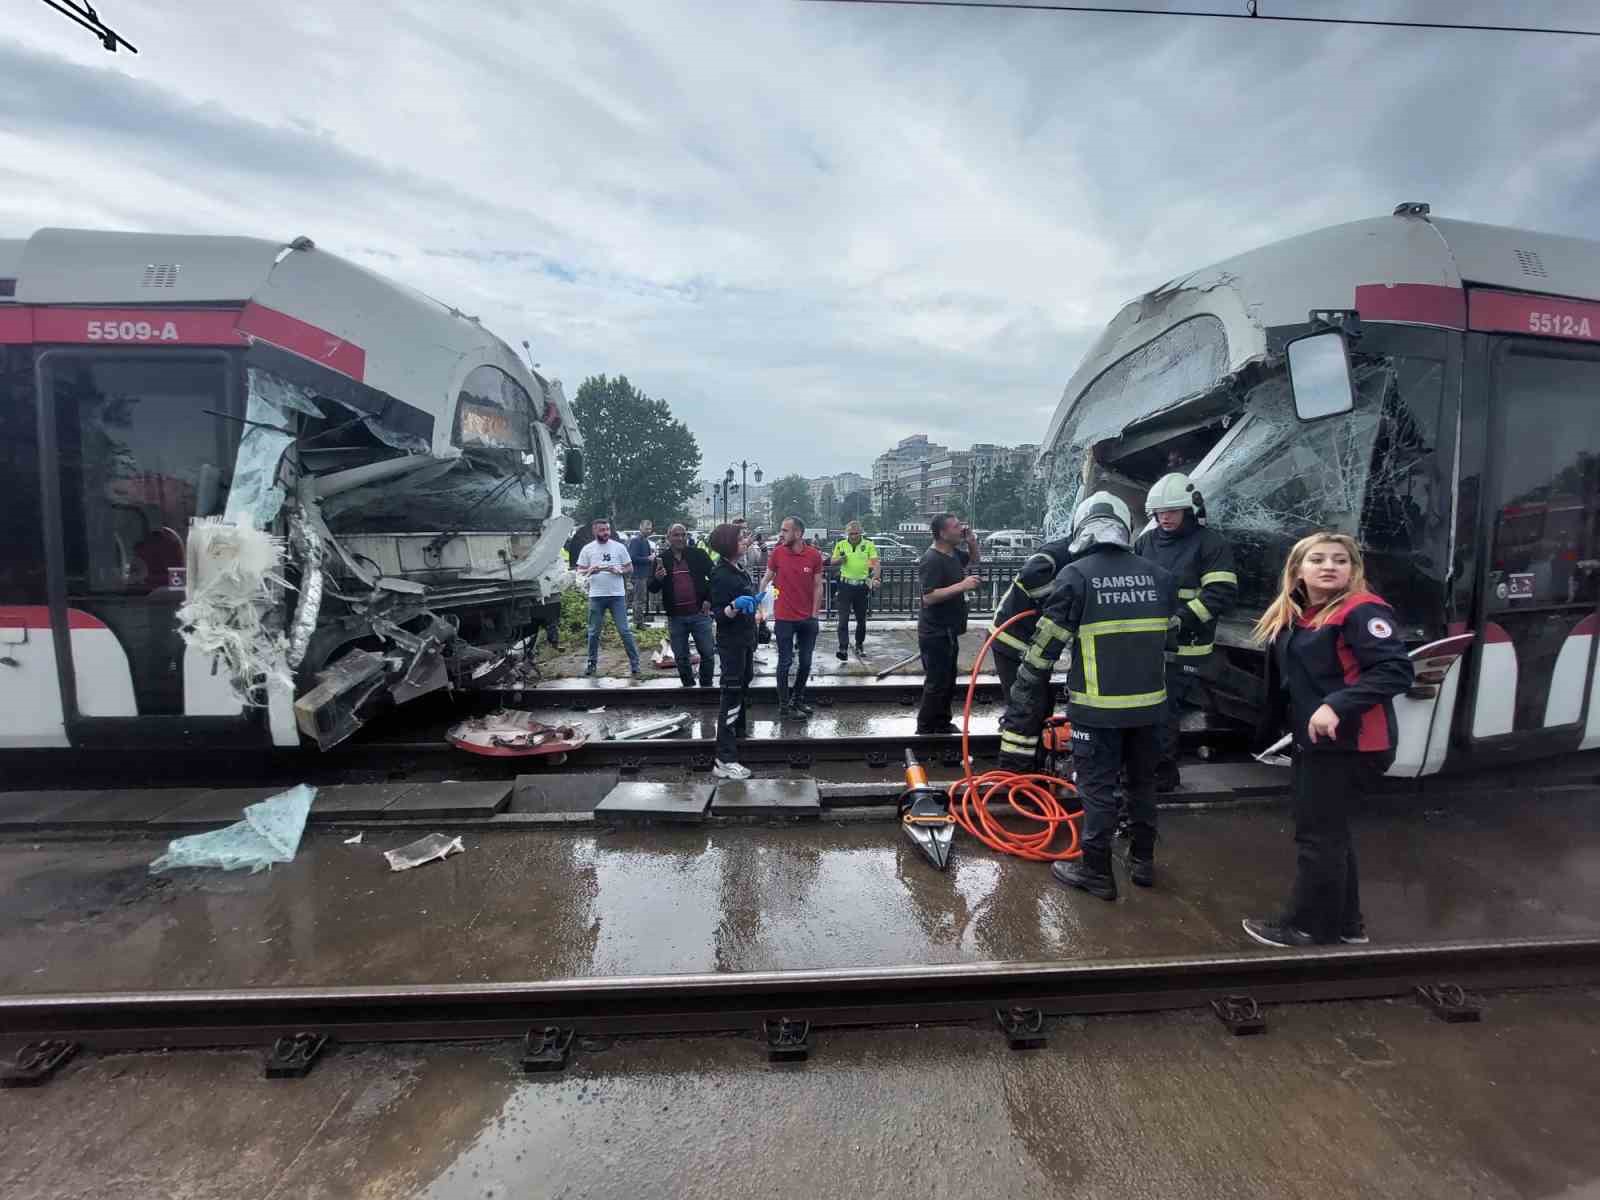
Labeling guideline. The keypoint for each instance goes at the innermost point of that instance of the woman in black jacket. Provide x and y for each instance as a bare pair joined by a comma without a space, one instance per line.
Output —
1338,656
733,604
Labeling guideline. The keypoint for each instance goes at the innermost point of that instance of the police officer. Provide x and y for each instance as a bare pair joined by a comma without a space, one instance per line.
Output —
1114,609
1028,590
1202,562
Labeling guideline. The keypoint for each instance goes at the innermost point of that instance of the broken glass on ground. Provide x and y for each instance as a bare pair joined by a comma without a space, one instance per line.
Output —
269,833
423,850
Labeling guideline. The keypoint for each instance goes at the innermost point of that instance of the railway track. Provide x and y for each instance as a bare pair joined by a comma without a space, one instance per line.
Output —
1024,996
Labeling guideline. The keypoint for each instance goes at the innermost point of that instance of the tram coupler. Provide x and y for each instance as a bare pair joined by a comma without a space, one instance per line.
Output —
925,814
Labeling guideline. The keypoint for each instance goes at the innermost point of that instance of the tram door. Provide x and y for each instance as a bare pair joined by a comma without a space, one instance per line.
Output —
1535,660
137,443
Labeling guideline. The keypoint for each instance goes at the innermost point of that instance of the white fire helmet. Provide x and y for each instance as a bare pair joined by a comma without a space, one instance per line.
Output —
1170,492
1099,519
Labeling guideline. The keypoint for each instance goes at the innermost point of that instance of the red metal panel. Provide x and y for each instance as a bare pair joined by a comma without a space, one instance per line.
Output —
136,326
37,616
1417,303
16,326
1541,316
298,337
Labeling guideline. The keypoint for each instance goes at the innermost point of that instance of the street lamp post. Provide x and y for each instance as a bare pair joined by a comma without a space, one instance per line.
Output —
744,466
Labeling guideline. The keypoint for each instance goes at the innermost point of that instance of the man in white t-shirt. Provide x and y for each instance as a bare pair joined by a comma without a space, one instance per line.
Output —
604,562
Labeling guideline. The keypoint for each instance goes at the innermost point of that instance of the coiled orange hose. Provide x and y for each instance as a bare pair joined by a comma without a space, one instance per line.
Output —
1032,797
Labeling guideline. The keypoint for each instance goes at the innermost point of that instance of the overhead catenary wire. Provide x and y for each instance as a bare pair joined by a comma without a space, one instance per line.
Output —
1253,14
85,15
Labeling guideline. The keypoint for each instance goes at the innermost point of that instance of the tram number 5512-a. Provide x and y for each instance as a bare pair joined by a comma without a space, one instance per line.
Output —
132,331
1559,325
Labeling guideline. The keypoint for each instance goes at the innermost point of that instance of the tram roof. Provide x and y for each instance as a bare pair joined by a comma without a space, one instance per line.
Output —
410,345
1405,267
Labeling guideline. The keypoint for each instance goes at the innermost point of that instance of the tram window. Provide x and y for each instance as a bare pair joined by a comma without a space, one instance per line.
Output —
140,456
22,577
1546,532
494,412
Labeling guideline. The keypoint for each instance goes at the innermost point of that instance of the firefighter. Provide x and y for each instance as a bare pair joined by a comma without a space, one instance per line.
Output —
1202,562
1114,609
1028,590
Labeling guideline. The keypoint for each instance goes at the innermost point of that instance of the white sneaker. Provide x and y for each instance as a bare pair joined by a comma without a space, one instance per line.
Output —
731,770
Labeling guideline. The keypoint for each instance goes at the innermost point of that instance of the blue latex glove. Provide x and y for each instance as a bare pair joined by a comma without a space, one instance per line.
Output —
745,604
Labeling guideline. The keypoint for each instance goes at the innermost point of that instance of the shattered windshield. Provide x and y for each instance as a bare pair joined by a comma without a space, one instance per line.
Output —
1273,478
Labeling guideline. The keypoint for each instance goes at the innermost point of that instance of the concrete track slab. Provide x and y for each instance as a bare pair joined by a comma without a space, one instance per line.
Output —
443,801
562,792
681,803
1370,1100
357,801
26,810
760,799
114,809
210,809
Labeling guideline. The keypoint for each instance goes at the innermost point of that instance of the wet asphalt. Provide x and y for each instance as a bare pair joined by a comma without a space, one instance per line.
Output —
1370,1099
588,901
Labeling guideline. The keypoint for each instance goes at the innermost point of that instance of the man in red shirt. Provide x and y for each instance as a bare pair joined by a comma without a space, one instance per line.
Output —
797,570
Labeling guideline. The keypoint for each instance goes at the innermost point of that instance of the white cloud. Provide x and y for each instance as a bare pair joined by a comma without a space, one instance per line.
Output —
813,229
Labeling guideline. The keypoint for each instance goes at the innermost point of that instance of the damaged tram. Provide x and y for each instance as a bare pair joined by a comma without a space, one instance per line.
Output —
1430,386
254,493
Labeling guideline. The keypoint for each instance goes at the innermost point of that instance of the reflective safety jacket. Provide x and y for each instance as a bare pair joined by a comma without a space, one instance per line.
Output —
1030,589
1202,562
1114,609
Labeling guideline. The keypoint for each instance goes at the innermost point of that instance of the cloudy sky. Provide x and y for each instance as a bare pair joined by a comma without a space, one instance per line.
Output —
812,228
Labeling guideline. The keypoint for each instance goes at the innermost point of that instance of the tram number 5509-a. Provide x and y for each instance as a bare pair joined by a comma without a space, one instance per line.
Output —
1559,325
132,331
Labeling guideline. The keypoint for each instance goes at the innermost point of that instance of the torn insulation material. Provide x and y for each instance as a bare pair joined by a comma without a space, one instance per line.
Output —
233,581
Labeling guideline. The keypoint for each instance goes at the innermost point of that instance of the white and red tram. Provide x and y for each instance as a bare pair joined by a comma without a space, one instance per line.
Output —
1465,455
150,381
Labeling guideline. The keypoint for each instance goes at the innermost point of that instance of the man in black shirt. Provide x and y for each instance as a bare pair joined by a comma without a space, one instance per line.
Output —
945,582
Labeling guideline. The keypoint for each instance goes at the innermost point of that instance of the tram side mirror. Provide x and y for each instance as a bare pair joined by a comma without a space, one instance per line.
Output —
1319,376
572,468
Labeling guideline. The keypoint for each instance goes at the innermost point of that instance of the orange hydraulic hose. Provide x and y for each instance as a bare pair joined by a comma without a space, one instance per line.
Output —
1033,797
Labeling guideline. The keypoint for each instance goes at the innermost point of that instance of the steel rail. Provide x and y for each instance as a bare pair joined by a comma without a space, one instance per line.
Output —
712,1003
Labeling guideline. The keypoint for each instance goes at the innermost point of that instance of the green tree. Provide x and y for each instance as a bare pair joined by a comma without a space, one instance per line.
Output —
896,507
1002,501
638,460
856,506
791,497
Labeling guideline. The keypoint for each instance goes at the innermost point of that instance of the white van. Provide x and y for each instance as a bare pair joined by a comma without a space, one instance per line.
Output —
1010,543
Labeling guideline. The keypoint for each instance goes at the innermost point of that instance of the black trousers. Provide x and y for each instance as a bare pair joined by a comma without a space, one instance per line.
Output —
939,650
853,599
1184,694
1100,754
733,715
1326,898
1007,667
